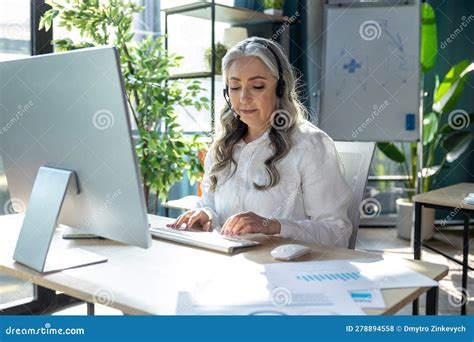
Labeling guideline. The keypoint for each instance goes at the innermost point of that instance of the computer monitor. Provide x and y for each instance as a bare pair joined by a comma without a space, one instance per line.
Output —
65,124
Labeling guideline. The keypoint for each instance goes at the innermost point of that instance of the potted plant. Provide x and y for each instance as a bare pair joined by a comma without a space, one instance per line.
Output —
449,140
221,50
273,7
163,151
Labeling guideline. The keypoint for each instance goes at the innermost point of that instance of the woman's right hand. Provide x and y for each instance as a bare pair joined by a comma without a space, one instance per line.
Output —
195,218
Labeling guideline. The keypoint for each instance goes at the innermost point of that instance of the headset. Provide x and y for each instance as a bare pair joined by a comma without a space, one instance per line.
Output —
280,87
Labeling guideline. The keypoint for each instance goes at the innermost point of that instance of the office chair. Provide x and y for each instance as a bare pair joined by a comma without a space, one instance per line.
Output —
356,158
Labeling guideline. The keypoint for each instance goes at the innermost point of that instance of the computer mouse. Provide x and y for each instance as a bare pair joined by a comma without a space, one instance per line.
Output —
289,252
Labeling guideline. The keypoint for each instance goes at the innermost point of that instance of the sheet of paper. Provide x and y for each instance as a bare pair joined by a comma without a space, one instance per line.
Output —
313,287
243,288
332,302
373,274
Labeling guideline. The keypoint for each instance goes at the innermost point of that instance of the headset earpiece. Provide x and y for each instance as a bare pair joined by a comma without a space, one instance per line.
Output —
280,88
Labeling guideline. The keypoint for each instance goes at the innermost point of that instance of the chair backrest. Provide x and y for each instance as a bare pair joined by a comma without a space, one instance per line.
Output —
356,158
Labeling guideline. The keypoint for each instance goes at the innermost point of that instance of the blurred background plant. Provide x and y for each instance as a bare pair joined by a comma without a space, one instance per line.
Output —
163,151
220,52
276,4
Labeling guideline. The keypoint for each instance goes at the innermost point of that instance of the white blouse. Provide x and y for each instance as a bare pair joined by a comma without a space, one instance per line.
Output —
310,201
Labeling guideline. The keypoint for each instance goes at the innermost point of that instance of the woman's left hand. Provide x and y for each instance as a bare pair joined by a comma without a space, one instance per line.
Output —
249,222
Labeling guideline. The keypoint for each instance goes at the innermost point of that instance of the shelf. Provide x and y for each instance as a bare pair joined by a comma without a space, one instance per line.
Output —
225,14
187,75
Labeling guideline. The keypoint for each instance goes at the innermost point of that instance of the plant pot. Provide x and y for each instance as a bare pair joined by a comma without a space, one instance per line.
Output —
405,220
273,11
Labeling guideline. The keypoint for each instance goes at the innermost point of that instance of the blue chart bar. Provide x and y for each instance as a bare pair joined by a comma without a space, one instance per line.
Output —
329,276
361,296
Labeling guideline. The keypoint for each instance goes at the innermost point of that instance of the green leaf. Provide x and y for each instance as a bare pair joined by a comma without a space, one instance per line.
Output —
41,23
431,171
391,151
456,144
451,87
429,37
430,126
436,84
179,144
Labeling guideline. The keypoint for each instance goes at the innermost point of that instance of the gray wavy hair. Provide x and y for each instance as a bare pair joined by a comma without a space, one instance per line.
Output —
288,113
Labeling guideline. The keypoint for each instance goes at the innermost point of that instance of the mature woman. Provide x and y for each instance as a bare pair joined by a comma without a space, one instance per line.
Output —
269,170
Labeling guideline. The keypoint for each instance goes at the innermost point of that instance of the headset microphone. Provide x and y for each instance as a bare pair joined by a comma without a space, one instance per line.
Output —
227,99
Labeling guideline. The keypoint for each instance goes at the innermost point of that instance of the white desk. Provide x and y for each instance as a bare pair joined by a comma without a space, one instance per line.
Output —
448,198
147,281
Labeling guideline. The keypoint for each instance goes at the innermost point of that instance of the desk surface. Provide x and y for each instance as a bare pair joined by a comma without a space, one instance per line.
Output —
450,196
147,281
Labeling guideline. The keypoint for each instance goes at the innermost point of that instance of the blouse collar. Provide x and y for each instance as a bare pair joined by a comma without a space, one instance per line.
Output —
257,141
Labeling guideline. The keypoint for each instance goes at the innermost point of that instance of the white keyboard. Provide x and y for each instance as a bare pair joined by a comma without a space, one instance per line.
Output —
208,240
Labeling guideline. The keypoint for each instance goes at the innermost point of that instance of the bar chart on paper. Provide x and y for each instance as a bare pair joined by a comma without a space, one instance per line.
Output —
329,277
354,275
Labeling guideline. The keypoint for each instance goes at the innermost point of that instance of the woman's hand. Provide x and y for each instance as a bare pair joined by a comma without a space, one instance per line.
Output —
249,222
196,218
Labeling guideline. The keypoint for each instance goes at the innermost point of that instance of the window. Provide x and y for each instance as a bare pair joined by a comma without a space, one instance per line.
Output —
15,42
191,37
15,36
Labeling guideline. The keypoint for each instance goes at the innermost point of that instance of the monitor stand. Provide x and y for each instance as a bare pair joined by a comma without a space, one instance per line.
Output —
41,218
